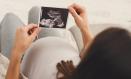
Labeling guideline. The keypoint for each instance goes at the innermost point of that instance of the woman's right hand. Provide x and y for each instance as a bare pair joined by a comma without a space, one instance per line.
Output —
24,37
80,16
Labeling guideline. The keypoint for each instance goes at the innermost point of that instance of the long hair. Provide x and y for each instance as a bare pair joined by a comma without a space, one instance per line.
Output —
108,57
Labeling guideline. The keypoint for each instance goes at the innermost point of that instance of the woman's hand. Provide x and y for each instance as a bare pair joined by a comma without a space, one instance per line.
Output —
79,14
24,37
80,17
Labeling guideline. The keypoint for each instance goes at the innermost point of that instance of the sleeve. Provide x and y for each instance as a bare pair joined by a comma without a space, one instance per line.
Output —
77,36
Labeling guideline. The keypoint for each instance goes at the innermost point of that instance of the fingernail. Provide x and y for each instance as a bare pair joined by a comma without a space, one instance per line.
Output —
71,61
58,64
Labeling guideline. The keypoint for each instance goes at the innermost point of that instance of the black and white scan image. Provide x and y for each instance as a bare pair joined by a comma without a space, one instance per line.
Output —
53,17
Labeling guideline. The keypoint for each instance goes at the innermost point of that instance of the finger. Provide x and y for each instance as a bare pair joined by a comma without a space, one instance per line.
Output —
31,31
73,13
59,68
72,65
30,26
78,7
65,67
68,66
34,33
80,10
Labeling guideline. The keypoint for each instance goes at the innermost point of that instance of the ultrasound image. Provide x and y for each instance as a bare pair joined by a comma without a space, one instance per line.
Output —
53,17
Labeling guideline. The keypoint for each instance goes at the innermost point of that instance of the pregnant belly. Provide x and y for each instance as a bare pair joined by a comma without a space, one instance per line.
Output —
40,60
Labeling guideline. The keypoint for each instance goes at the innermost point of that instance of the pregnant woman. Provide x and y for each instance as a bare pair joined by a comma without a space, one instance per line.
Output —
40,57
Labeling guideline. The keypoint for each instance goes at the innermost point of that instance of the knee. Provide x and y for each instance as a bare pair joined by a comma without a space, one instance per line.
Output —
9,16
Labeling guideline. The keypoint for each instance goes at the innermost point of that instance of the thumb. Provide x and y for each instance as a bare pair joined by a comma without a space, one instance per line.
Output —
34,34
73,13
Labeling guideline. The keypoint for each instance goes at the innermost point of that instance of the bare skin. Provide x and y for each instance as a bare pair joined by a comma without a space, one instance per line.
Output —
24,37
80,16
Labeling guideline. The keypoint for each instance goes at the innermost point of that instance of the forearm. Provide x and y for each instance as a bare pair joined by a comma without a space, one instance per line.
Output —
80,17
22,42
87,38
14,66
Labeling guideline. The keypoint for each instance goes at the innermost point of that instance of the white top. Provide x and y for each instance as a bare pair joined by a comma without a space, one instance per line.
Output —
40,60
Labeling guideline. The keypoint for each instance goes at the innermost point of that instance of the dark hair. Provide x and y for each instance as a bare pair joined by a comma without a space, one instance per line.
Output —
109,56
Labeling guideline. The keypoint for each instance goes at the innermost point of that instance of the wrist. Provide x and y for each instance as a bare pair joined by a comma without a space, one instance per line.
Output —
16,54
84,29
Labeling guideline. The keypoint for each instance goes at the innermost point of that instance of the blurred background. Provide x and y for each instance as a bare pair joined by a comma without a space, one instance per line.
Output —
101,13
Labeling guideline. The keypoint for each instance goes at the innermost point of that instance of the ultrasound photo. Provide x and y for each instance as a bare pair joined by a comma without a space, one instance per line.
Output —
53,17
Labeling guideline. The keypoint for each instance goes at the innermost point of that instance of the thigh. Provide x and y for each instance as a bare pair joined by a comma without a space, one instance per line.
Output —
8,28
